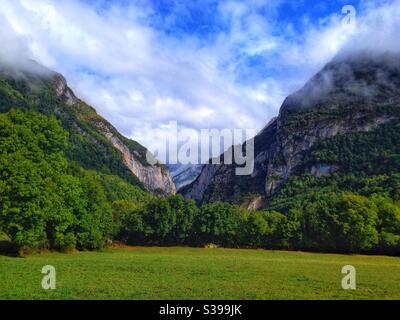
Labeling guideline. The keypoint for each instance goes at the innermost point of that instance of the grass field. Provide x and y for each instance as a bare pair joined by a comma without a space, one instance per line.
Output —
189,273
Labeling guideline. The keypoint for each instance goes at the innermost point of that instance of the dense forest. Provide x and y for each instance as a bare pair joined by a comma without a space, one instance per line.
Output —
60,191
47,201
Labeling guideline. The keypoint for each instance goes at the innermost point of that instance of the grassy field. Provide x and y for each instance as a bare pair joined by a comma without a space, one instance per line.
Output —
189,273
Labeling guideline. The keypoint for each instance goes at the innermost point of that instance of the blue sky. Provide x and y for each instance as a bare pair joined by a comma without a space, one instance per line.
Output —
200,19
202,63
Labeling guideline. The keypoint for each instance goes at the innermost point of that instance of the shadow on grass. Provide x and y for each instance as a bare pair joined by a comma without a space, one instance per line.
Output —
8,249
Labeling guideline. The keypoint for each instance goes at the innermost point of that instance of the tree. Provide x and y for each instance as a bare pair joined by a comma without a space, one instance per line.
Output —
220,223
262,229
355,223
41,205
31,162
94,223
186,213
388,224
129,221
159,220
290,229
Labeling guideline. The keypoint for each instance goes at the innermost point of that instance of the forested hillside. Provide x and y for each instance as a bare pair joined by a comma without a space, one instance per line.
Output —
93,142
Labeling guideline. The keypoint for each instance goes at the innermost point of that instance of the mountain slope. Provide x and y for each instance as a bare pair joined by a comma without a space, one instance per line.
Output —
353,94
94,142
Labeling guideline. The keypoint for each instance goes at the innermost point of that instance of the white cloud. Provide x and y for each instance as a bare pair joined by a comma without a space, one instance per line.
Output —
139,78
378,29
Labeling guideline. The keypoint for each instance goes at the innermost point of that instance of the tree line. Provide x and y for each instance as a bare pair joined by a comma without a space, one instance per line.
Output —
47,201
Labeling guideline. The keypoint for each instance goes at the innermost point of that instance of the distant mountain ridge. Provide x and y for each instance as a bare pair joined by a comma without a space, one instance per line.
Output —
94,142
354,93
184,175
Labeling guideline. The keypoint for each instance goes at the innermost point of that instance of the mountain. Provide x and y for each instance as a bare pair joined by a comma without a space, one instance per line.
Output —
183,175
93,142
343,122
327,171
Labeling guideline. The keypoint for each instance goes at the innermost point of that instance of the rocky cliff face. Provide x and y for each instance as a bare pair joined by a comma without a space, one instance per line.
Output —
155,178
351,94
59,83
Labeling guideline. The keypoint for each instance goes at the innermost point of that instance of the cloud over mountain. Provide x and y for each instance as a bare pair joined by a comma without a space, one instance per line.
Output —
208,64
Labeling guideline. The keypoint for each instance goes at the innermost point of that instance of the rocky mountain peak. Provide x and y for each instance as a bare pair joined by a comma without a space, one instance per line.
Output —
369,77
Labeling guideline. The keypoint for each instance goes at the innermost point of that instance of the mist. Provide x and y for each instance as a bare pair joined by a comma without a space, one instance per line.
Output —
16,59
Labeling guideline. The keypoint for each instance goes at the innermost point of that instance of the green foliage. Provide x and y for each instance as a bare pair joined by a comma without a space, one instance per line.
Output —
41,205
48,202
156,220
356,208
345,222
185,214
95,224
388,224
365,153
129,221
87,145
63,186
10,97
219,223
263,229
159,219
355,222
31,171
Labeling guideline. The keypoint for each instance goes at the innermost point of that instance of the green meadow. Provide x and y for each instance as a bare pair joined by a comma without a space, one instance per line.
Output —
190,273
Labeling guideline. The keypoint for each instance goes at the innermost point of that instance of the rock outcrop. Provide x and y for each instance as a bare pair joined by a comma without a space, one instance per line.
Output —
59,83
154,178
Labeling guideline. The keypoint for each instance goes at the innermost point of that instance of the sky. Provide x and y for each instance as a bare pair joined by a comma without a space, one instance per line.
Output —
203,63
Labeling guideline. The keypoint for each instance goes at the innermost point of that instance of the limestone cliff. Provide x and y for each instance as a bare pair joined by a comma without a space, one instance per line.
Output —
155,178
